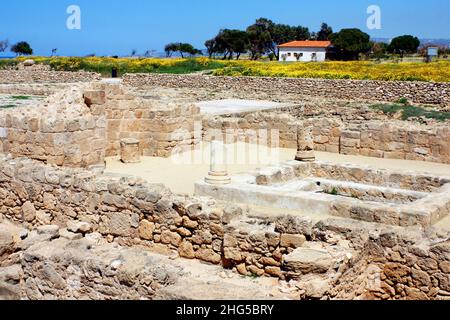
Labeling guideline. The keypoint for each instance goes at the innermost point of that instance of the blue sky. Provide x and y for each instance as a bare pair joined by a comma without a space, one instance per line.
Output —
118,26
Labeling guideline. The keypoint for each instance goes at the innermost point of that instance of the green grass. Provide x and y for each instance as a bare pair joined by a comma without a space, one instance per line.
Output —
7,106
410,111
333,192
21,97
363,70
5,63
402,101
130,66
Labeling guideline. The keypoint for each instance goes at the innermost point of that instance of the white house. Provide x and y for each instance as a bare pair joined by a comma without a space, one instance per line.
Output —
304,51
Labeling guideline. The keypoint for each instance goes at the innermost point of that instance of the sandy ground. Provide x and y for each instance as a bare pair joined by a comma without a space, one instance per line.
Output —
179,173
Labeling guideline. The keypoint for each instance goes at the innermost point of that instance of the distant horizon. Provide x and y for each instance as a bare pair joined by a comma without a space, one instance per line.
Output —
119,27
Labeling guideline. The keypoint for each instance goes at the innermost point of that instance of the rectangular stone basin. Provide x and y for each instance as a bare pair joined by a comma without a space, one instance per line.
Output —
358,192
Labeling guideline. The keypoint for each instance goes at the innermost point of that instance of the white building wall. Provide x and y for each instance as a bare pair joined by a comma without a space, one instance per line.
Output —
306,54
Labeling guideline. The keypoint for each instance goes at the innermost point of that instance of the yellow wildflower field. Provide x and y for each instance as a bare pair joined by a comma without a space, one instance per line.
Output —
408,71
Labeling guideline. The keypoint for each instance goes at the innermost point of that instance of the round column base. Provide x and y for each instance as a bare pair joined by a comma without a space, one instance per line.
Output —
305,156
218,178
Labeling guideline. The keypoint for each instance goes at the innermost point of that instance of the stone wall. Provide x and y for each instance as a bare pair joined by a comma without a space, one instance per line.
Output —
417,92
80,125
37,76
35,89
380,139
159,127
61,130
132,212
398,267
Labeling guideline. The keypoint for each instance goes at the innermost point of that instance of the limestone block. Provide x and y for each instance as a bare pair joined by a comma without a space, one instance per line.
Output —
130,151
78,227
294,225
146,230
208,255
168,237
119,224
186,250
292,240
304,261
94,97
28,211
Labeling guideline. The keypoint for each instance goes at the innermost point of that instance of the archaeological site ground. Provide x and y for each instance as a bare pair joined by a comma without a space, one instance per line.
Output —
158,186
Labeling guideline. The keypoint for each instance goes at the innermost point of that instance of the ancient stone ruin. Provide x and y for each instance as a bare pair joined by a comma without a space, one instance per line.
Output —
324,222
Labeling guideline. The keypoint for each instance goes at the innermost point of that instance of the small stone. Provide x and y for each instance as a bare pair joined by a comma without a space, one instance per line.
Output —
242,269
294,225
146,230
208,255
43,217
50,230
94,97
23,234
186,250
316,288
96,238
304,261
188,223
274,272
116,264
184,232
230,213
29,63
28,211
292,241
168,237
445,266
254,270
78,227
64,233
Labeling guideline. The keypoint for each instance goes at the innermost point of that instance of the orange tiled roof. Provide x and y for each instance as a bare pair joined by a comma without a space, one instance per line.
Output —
306,44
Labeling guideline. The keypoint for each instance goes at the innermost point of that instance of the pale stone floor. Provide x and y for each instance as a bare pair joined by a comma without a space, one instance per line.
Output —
229,106
179,173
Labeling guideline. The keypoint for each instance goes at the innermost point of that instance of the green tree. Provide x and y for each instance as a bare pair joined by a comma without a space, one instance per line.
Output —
282,33
350,43
233,42
325,32
187,48
171,48
22,48
260,37
211,47
182,48
404,44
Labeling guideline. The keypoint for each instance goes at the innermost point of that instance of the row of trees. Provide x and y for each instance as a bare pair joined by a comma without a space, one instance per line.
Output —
262,37
20,48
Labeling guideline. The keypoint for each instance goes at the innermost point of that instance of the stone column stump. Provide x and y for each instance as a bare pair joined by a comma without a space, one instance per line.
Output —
305,144
218,173
129,151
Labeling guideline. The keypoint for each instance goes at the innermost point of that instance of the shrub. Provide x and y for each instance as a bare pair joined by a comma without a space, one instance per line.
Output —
409,111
